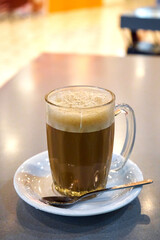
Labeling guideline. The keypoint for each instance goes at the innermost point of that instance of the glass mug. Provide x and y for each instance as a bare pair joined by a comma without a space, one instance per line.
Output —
80,136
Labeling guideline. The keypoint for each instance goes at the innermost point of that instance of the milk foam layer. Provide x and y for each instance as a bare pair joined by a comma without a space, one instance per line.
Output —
80,110
80,98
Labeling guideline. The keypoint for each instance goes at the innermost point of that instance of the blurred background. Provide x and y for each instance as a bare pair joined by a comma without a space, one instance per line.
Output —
30,27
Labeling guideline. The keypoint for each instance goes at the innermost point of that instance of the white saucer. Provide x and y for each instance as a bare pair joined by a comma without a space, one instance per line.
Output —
33,180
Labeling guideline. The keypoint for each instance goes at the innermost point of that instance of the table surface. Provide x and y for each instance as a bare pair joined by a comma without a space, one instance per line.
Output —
147,18
134,80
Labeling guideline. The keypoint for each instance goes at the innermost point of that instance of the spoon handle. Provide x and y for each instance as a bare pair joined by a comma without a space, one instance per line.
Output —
66,201
136,184
129,185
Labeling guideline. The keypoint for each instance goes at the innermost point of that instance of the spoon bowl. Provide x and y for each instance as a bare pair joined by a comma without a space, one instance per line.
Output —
62,201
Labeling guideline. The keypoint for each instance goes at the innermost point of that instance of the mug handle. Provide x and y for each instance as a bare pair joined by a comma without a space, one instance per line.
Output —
119,161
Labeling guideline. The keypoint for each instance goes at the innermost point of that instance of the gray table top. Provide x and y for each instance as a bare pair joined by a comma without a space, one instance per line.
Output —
134,80
147,18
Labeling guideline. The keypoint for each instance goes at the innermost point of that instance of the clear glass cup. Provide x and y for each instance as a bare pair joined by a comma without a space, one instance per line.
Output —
80,137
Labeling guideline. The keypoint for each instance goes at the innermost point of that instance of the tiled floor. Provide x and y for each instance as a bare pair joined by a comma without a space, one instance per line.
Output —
86,31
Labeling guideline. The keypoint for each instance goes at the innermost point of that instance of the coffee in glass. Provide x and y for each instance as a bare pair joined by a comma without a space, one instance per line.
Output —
80,136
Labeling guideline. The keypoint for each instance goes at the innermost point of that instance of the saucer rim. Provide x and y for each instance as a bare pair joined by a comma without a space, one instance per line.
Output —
68,211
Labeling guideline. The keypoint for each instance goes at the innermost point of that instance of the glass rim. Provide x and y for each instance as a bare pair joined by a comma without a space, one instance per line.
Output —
79,86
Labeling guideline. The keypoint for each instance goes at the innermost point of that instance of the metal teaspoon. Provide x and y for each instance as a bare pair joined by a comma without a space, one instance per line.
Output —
67,201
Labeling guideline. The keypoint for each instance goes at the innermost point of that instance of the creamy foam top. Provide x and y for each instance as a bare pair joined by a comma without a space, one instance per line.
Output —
80,98
80,109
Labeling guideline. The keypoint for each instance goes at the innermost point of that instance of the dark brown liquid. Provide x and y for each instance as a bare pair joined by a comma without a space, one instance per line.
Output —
80,162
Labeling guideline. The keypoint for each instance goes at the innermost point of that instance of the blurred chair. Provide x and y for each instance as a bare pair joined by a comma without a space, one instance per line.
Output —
147,18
